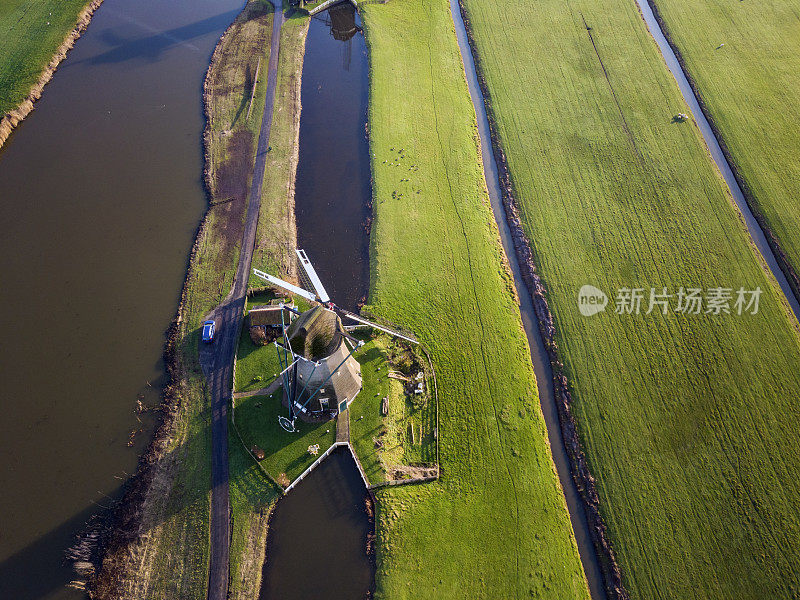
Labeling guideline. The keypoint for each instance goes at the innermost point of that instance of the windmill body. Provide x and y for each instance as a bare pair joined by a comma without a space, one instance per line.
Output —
320,375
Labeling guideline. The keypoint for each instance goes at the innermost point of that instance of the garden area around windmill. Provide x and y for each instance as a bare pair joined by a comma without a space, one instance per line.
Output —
392,420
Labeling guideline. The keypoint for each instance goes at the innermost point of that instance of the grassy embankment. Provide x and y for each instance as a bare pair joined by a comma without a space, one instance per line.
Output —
30,33
688,420
252,495
751,88
495,525
170,559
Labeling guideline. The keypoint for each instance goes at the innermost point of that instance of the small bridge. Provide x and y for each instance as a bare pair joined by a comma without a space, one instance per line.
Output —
327,4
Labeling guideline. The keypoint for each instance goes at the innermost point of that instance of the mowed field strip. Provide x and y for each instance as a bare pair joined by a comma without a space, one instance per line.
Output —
688,420
744,58
495,525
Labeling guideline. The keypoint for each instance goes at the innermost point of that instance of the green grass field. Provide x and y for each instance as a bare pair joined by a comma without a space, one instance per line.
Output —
495,525
286,453
688,420
751,86
30,33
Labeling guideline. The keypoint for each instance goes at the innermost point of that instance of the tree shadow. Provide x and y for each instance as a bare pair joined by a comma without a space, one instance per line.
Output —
247,93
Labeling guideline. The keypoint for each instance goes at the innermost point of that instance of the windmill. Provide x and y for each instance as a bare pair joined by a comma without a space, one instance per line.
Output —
320,375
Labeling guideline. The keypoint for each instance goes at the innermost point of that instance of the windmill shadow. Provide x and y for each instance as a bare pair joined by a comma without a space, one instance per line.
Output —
151,47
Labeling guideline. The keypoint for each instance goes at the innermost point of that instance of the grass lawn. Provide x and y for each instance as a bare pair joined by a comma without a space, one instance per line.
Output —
689,421
751,86
495,525
287,453
256,366
30,33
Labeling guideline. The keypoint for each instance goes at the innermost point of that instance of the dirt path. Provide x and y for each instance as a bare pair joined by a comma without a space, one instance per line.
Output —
217,360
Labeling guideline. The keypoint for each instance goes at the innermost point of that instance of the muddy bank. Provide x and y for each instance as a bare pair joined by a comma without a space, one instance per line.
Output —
782,260
14,117
581,475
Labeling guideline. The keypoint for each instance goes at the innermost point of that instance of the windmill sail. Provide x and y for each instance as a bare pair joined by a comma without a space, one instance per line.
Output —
285,285
392,332
312,276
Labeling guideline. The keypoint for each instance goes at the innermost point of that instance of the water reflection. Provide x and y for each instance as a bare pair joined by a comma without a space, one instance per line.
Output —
333,192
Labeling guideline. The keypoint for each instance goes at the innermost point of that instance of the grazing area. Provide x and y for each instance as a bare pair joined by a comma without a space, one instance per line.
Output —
30,34
688,420
393,422
495,524
744,60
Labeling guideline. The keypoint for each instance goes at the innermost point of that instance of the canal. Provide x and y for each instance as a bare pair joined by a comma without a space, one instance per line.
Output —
333,193
753,227
101,193
318,533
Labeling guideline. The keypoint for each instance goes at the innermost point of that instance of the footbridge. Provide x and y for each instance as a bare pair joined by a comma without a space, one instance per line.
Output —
327,4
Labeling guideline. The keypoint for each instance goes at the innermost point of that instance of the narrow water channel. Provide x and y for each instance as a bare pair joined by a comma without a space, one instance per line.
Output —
333,192
541,362
756,233
100,194
317,540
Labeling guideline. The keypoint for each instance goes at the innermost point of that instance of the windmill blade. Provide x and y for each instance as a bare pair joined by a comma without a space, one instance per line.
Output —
285,285
391,332
312,275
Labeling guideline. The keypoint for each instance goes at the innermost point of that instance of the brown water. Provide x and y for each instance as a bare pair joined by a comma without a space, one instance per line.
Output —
318,537
318,533
333,194
100,196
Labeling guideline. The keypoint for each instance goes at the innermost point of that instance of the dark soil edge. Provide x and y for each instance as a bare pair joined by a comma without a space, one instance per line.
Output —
772,240
123,525
582,476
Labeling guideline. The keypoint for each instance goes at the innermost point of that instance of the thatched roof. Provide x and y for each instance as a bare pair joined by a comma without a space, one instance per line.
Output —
316,333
